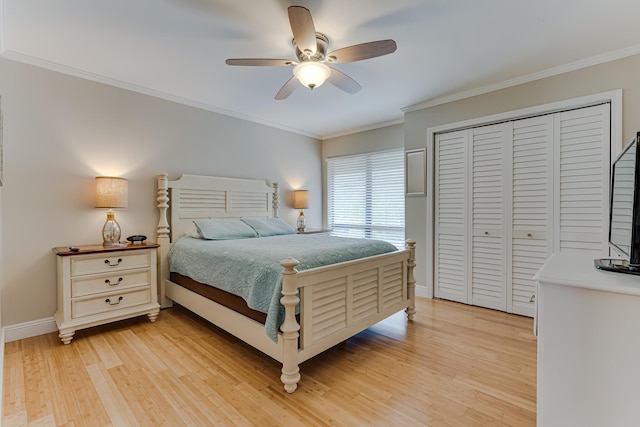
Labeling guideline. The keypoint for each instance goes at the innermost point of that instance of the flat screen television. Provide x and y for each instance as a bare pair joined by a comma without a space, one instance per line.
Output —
624,212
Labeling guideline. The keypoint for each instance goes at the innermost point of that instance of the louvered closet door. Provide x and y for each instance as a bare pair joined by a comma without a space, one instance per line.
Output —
531,210
488,279
450,266
509,195
582,191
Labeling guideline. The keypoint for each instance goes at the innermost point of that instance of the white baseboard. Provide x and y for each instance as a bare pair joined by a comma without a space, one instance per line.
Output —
44,326
28,329
423,291
47,325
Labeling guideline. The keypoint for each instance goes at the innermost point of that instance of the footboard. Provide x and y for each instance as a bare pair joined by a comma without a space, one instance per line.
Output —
338,301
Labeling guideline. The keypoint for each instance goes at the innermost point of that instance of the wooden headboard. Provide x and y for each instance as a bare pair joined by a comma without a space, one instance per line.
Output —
197,197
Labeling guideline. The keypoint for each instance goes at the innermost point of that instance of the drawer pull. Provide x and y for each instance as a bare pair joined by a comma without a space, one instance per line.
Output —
108,262
108,301
108,282
529,235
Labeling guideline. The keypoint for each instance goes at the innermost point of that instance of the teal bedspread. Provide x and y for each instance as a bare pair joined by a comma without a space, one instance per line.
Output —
250,268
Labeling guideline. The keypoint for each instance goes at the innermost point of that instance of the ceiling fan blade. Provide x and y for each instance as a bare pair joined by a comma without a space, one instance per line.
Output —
362,51
287,89
344,82
260,62
304,32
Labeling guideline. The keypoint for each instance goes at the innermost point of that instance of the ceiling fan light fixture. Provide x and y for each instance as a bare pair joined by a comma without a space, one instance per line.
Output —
311,53
311,74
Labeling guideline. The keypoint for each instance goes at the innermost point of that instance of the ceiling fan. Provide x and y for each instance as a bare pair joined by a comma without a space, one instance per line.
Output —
311,51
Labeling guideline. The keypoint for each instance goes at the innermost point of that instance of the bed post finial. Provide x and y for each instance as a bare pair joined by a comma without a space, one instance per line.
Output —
162,236
290,327
411,280
276,200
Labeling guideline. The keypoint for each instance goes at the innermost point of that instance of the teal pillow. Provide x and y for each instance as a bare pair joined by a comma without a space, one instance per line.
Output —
269,226
224,229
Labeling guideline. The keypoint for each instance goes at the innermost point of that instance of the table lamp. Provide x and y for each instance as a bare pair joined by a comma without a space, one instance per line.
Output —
301,201
111,192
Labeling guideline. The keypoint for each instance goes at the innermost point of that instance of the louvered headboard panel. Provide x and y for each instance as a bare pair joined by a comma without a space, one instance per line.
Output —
195,197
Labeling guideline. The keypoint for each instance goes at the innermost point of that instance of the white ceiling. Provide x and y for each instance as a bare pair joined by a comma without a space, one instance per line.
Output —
175,49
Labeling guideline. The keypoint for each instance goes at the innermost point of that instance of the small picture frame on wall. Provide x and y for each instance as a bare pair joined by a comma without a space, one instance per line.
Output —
415,169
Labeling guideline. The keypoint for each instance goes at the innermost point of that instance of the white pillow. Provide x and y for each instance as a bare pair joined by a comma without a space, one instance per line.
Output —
193,233
224,229
269,226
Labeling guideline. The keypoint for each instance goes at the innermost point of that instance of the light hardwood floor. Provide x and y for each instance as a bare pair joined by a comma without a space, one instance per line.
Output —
454,365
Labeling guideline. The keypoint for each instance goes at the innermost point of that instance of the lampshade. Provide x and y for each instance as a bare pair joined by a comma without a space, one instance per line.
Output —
311,74
301,199
112,192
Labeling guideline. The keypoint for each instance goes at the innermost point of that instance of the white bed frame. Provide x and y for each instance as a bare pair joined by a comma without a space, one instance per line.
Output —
336,301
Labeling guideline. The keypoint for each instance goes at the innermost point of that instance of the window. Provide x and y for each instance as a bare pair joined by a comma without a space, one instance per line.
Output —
365,196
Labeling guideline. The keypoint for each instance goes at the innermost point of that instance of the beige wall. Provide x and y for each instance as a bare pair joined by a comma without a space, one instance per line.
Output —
61,131
384,138
620,74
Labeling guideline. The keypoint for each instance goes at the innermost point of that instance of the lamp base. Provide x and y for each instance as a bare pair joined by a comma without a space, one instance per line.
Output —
111,231
301,223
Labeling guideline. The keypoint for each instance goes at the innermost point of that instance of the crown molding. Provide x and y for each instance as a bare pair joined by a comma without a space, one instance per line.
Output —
56,67
75,72
573,66
364,128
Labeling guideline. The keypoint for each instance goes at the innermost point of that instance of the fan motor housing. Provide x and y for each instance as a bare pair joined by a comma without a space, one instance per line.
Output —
322,41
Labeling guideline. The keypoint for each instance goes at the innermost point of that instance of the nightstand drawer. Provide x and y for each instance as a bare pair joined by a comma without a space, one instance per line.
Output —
114,261
112,302
87,285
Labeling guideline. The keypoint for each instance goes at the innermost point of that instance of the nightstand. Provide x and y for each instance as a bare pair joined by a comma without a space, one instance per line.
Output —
101,284
327,232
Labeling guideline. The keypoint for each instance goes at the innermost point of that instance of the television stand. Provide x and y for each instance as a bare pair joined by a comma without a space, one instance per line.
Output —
588,370
616,265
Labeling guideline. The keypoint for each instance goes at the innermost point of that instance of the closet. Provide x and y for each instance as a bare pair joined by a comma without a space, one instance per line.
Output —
507,195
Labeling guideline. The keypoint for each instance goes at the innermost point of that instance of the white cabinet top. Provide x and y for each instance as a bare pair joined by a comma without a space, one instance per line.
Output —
579,271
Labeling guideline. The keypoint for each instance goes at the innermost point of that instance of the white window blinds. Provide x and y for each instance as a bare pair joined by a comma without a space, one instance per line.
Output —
365,196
